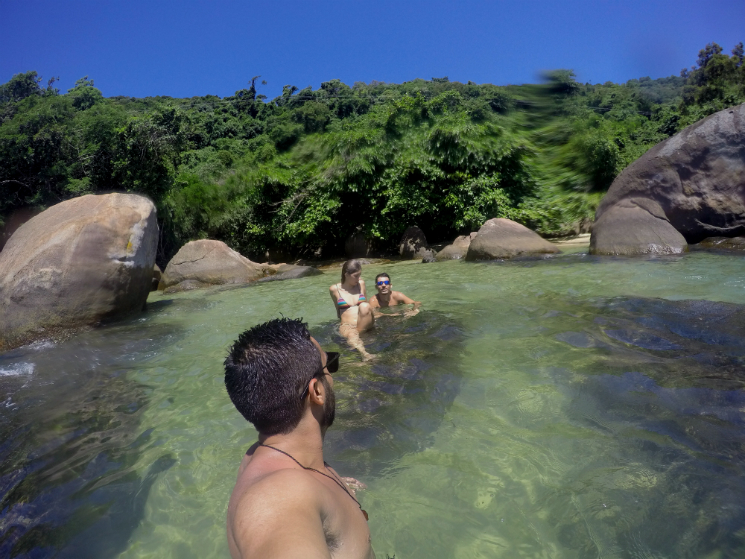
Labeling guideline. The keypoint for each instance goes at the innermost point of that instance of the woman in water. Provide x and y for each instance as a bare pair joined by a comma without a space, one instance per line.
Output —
352,308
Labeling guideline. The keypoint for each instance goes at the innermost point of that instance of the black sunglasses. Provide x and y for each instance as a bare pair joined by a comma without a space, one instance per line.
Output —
332,365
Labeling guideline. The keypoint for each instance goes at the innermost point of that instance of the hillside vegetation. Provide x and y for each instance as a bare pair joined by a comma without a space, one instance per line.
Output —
300,173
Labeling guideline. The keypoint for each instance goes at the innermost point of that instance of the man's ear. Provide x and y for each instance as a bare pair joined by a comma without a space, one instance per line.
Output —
317,391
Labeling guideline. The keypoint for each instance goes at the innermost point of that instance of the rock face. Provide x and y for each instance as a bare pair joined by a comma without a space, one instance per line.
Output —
79,262
413,243
457,250
503,238
204,263
12,223
687,188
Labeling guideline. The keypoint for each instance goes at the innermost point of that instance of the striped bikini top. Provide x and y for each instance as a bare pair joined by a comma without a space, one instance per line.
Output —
342,304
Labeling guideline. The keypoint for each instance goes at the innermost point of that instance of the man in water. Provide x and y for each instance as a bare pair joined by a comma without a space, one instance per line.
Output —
287,502
386,297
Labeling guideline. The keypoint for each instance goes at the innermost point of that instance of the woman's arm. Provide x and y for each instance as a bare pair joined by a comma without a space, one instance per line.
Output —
334,292
363,290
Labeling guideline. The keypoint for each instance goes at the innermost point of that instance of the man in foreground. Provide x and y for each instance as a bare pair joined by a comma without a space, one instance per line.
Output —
386,297
287,502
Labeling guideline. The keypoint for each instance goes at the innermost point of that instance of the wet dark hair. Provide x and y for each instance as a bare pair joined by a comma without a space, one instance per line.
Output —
266,370
382,275
350,267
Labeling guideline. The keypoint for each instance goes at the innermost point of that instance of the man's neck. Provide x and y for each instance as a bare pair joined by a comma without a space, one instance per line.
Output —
304,444
385,297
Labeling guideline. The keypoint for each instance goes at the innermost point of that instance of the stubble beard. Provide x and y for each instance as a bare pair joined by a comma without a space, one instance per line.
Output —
329,406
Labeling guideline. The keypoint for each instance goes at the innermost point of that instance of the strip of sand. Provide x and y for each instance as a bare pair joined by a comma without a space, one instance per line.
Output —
579,240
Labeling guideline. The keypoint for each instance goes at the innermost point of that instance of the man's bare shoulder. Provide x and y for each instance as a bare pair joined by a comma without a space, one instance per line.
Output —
401,298
280,504
256,484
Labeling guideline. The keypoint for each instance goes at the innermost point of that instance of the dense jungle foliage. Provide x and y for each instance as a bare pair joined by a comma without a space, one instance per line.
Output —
298,174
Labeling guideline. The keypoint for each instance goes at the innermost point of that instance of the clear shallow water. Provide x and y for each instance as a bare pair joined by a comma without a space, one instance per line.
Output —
571,407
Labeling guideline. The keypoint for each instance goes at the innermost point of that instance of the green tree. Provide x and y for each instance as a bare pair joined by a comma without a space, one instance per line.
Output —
738,54
20,86
707,53
84,95
146,153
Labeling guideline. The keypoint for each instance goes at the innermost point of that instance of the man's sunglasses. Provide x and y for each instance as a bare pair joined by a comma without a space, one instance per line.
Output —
384,282
332,365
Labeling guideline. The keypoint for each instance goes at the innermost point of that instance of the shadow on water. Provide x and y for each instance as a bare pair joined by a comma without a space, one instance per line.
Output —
662,381
69,428
391,406
677,343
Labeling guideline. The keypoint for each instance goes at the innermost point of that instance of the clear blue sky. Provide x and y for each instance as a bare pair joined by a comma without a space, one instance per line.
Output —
187,47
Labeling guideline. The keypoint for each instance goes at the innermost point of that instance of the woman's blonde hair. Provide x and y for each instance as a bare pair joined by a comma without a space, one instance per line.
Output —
350,267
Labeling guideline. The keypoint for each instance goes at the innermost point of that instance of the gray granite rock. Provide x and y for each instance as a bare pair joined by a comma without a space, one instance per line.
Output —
501,238
693,182
210,262
412,242
77,263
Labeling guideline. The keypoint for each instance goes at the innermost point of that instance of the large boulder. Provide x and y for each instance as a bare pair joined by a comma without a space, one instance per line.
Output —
636,226
12,223
502,238
457,250
206,262
413,243
692,184
77,263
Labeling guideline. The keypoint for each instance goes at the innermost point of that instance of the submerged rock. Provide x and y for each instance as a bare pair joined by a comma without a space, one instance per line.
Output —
186,285
427,255
722,243
503,238
290,271
681,191
207,262
77,263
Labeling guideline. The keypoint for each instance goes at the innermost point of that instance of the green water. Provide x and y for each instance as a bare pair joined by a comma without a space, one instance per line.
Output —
563,408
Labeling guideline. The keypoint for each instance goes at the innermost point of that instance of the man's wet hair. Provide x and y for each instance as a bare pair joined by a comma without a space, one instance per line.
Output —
266,371
382,275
